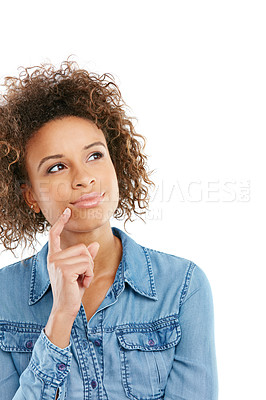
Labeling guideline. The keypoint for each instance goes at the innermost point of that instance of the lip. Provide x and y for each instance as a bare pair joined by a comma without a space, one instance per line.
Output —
89,200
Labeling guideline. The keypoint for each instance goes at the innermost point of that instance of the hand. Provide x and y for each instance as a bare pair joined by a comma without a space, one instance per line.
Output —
70,270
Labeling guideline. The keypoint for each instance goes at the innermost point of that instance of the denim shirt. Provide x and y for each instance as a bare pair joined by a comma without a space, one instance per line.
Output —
151,338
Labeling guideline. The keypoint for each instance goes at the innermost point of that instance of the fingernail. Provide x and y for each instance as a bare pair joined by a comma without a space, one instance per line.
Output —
67,211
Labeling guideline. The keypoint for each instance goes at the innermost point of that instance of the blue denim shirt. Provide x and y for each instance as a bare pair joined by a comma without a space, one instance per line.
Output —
151,338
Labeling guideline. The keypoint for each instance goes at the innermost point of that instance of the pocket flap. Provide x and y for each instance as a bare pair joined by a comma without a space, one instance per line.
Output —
150,336
18,337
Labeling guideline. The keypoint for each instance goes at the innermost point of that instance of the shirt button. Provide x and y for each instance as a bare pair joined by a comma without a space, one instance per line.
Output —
93,384
29,344
61,366
151,342
97,342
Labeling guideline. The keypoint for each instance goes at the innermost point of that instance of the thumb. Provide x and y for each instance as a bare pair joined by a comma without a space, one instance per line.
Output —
93,249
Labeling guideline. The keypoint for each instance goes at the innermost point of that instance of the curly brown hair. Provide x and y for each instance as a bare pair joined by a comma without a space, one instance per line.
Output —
41,94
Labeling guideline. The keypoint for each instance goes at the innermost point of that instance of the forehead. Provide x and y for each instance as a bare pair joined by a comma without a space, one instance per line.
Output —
64,133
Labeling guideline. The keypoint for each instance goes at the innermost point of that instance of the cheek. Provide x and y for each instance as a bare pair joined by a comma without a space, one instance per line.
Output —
114,184
53,192
61,192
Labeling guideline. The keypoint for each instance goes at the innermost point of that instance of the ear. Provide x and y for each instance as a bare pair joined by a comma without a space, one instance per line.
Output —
29,198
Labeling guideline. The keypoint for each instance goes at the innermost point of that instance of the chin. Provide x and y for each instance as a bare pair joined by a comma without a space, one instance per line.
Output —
86,219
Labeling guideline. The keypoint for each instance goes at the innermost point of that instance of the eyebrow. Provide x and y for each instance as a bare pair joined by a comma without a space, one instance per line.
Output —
62,155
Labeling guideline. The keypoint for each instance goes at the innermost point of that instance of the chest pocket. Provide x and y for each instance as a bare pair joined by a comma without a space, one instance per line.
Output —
146,356
19,339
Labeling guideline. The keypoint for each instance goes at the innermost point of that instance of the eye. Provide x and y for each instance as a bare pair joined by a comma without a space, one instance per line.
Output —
49,171
98,154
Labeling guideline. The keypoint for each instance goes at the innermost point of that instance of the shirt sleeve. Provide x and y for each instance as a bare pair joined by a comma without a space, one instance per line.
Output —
194,372
45,374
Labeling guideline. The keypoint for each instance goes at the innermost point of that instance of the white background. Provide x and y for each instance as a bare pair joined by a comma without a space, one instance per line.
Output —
193,73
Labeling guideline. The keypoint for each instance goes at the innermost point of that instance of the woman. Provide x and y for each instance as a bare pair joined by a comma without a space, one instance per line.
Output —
92,315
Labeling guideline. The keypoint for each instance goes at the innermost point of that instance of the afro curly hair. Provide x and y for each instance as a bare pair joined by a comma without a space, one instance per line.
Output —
44,93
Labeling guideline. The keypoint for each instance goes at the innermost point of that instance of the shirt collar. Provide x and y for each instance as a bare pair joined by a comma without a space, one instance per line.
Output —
136,270
136,266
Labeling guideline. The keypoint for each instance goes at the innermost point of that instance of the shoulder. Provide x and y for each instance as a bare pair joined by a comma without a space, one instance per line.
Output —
21,267
14,283
166,263
172,270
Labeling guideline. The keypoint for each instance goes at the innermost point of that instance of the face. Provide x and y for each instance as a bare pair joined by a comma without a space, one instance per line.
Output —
65,159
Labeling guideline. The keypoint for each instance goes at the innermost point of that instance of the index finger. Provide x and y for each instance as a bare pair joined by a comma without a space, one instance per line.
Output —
55,231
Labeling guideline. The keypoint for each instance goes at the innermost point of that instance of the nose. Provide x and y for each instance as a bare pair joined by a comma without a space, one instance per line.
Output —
82,177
